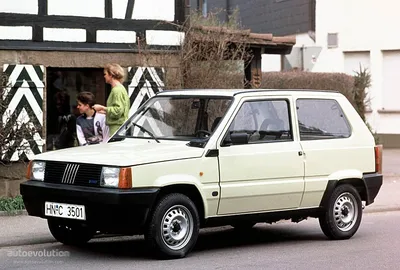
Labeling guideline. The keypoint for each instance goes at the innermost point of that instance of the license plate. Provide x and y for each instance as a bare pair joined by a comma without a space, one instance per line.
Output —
65,210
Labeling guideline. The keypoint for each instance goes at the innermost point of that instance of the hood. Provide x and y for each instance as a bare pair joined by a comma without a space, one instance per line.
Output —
124,153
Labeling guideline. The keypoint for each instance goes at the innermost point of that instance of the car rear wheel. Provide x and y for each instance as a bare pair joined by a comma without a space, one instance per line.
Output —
174,226
342,214
69,234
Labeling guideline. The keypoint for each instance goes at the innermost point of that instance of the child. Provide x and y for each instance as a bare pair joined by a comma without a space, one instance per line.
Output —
91,127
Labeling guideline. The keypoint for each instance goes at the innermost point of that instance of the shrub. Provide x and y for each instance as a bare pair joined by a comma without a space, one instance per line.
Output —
352,87
362,81
212,54
12,204
310,80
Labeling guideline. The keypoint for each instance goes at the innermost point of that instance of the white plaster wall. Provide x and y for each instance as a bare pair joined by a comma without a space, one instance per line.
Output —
64,34
119,9
16,32
270,62
154,10
111,36
362,25
19,6
304,39
143,9
168,38
87,8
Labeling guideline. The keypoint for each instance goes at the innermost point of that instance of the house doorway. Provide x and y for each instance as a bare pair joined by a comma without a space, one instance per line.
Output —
62,87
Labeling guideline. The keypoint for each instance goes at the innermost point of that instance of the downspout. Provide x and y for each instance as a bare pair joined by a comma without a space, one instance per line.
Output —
228,10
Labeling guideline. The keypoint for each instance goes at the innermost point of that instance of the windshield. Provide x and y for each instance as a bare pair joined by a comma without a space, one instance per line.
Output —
176,118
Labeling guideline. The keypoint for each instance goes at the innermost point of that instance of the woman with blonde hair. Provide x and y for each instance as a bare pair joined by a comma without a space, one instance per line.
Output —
117,107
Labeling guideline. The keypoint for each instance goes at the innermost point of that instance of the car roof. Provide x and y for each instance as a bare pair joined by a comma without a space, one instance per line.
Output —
246,92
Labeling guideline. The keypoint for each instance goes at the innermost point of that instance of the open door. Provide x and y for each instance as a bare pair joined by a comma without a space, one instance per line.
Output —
63,85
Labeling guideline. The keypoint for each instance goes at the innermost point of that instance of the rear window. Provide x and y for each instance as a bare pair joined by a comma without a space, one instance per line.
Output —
321,119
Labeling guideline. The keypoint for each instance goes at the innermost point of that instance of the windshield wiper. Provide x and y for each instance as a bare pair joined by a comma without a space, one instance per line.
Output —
145,130
116,138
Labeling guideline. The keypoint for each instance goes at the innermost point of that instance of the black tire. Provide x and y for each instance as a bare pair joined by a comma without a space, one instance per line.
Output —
70,234
173,227
342,214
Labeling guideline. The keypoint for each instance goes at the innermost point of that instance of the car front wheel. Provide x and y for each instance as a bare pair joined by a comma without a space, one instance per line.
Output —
174,226
342,214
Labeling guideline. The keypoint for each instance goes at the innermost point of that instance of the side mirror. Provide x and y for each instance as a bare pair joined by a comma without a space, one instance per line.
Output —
239,138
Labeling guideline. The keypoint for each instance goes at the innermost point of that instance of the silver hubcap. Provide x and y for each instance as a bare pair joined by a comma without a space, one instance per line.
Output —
345,212
177,227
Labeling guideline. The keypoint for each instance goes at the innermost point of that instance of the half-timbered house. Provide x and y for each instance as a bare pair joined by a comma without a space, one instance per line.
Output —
52,49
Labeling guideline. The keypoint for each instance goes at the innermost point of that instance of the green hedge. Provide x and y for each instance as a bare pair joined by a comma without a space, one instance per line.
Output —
312,80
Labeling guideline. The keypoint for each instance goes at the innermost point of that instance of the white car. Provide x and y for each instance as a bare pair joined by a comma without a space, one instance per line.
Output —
191,159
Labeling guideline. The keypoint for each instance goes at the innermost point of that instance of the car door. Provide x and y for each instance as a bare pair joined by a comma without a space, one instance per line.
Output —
267,173
326,135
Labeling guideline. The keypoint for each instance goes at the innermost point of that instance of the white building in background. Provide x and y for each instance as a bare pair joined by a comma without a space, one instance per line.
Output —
365,32
349,34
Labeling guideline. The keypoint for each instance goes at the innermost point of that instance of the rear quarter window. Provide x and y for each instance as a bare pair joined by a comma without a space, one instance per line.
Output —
321,119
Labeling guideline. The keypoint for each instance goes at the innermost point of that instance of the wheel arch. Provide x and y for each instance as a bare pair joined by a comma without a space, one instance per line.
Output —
189,190
357,183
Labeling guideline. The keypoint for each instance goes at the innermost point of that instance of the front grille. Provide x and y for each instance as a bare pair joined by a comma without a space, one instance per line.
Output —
72,173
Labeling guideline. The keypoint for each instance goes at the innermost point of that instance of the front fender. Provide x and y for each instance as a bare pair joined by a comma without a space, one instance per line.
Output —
182,179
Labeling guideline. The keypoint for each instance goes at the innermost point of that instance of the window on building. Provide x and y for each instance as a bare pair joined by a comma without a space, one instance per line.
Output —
321,119
333,40
390,80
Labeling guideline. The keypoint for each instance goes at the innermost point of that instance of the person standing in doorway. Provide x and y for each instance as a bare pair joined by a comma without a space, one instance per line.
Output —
91,126
118,103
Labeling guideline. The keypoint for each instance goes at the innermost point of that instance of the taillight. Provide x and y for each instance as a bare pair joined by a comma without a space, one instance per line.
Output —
378,159
125,178
29,170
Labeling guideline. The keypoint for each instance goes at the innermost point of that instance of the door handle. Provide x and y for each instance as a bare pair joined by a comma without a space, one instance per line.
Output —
300,153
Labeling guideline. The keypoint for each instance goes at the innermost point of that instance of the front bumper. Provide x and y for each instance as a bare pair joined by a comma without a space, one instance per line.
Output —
107,209
373,183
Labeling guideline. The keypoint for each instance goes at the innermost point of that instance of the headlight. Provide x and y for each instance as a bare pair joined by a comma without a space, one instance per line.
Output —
116,177
110,177
37,170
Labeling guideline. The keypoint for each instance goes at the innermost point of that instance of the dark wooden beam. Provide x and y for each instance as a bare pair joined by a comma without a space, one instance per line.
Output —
42,4
129,9
253,74
108,8
91,35
55,21
79,46
182,10
37,30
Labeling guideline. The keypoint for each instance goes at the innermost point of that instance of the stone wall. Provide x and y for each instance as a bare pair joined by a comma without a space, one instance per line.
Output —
11,176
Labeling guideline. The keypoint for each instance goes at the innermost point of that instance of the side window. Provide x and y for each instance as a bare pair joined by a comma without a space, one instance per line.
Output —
321,119
262,121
